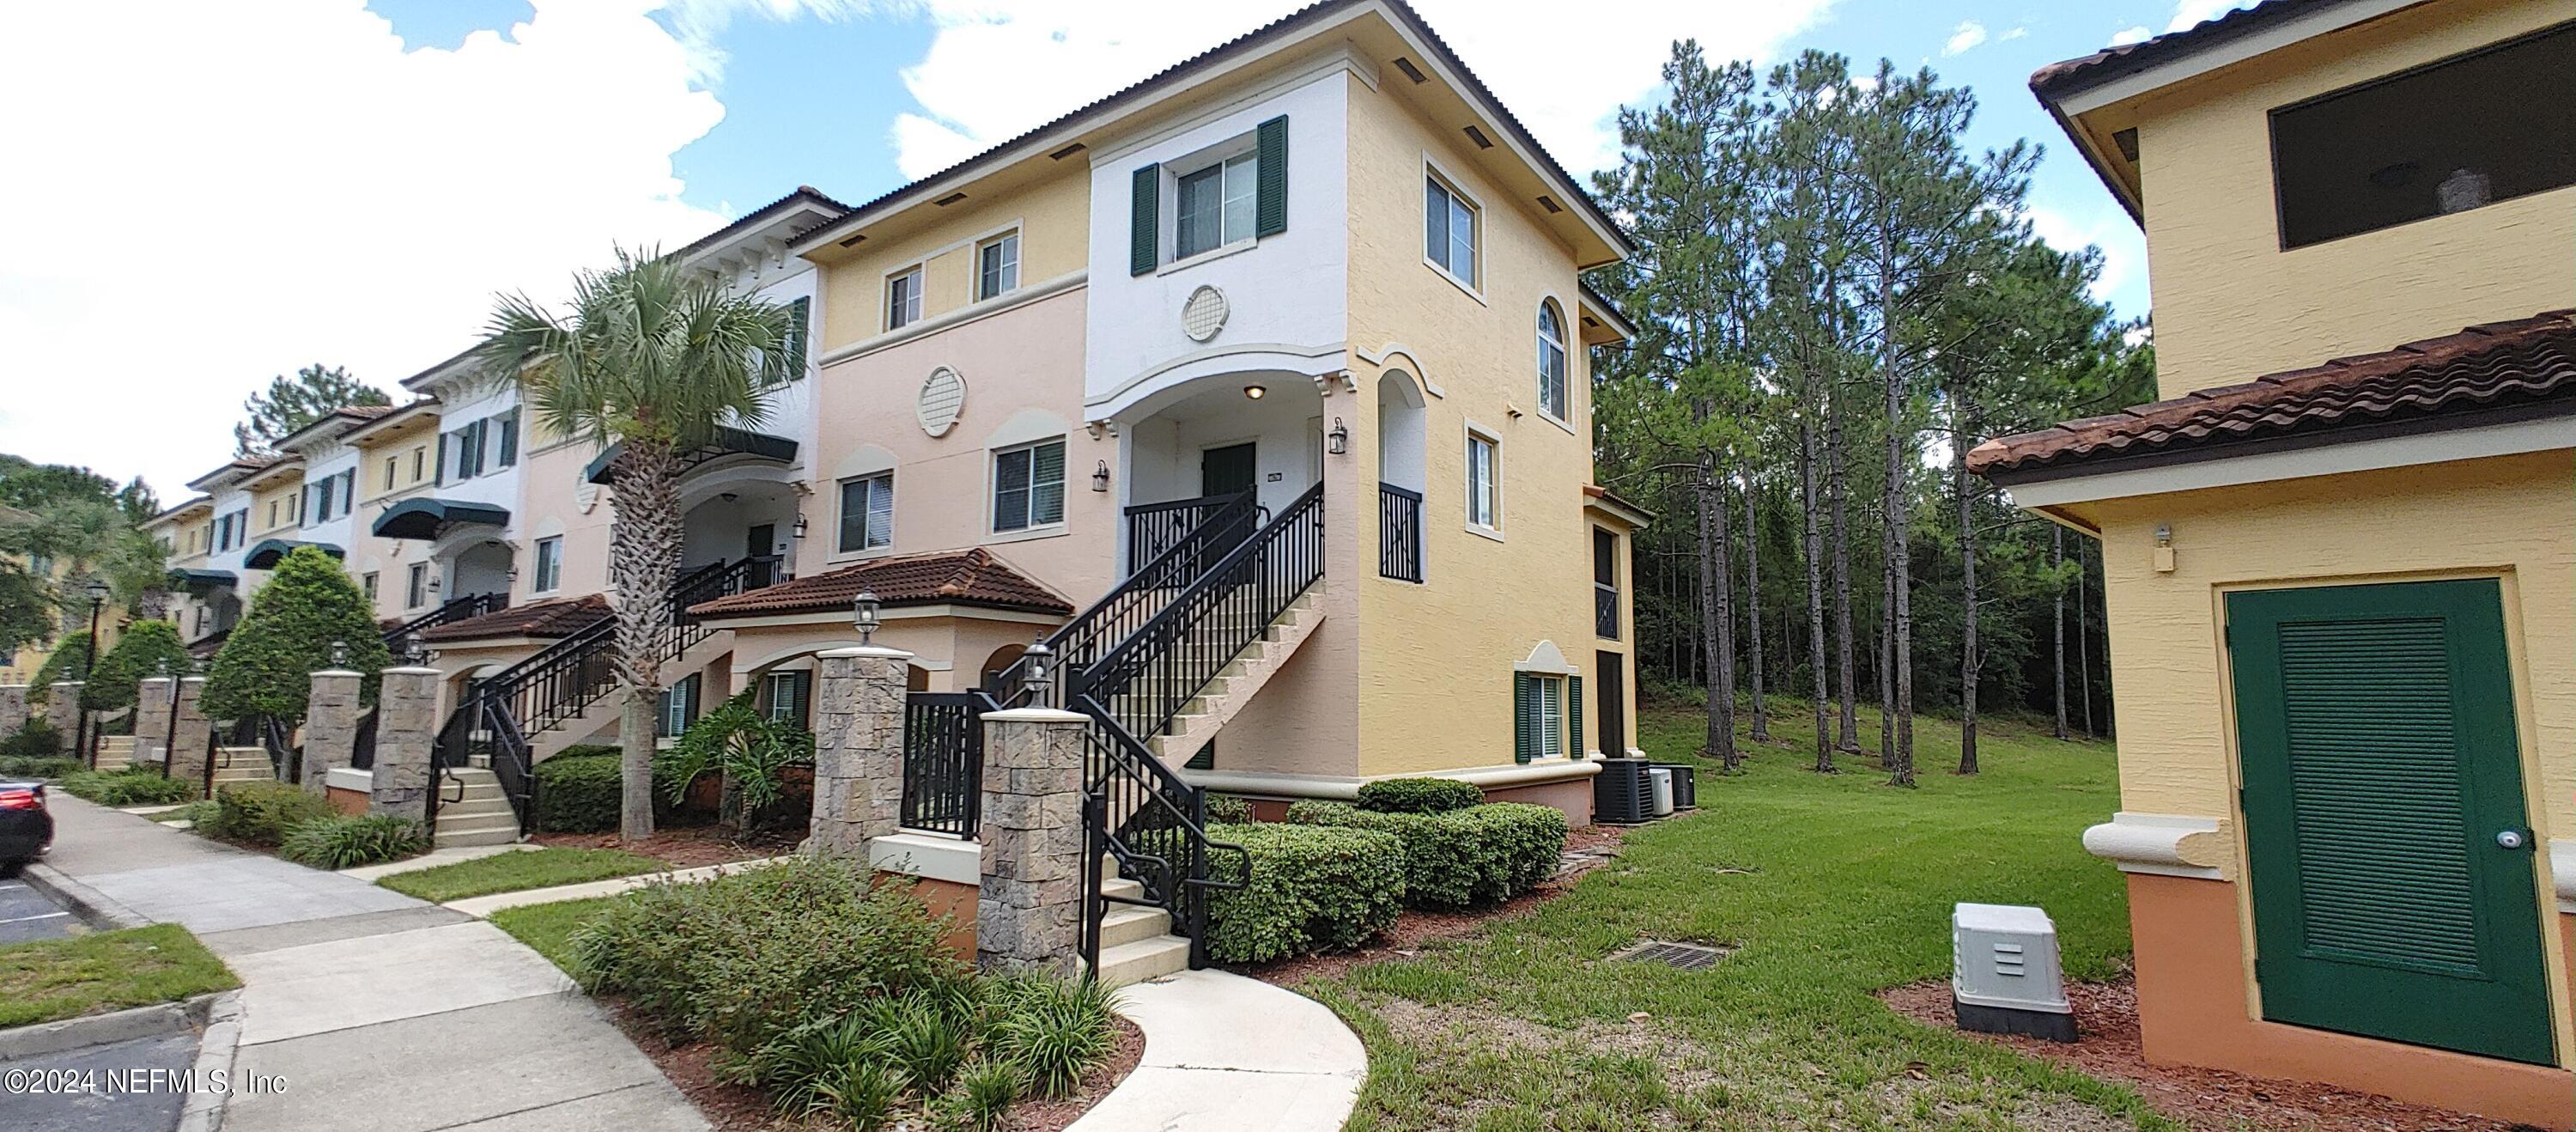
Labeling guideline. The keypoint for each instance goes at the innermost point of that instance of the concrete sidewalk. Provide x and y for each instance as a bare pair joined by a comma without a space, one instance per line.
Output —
377,1011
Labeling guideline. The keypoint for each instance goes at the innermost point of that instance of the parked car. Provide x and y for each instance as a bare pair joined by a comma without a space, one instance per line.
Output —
26,826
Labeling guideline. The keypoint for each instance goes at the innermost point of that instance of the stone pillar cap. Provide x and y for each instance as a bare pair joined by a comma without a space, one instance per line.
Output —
340,672
412,670
67,683
867,650
1036,715
192,679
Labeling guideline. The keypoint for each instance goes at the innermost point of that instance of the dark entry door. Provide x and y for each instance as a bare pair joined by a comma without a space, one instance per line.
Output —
2391,856
760,544
1610,674
1226,471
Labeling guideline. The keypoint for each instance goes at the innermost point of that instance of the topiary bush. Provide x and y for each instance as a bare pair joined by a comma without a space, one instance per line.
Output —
1312,888
141,652
261,813
1418,795
343,842
265,666
1462,858
579,793
133,786
37,740
68,661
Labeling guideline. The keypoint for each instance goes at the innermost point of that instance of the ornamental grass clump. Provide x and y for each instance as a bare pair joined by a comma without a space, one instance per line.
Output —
132,786
343,842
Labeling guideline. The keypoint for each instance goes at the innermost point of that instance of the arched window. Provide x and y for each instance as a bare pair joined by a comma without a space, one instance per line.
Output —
1551,361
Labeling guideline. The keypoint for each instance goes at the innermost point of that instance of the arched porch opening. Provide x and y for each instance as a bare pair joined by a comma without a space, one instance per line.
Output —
1402,472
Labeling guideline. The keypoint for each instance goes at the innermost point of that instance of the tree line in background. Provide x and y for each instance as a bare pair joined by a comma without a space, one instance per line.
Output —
1835,301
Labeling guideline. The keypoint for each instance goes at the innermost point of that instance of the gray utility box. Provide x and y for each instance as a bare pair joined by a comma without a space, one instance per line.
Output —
2003,972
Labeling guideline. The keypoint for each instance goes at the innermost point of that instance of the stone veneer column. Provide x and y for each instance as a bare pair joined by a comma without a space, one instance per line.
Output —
152,718
330,725
1029,912
13,709
62,709
188,741
858,749
406,733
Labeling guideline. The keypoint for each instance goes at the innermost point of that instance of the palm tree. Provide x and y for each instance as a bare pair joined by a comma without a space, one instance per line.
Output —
654,359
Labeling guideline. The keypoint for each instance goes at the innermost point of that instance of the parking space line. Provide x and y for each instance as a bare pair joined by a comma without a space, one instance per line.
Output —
24,919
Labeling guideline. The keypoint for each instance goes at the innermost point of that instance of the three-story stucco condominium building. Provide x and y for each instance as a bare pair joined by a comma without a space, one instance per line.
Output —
2340,558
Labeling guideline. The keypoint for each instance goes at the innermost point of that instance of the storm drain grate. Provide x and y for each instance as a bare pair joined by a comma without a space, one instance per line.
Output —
1687,956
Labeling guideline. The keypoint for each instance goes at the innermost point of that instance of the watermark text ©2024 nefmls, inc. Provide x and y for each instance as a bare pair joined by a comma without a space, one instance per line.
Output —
120,1082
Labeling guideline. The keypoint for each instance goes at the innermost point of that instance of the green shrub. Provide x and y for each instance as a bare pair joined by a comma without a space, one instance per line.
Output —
133,786
746,958
750,751
195,813
1418,795
37,740
344,842
1311,888
1226,809
68,661
39,766
1052,1030
579,793
141,652
261,813
265,664
1463,858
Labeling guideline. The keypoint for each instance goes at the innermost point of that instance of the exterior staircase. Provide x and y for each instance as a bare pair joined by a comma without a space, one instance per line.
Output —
242,764
483,817
1223,697
115,752
598,719
1136,942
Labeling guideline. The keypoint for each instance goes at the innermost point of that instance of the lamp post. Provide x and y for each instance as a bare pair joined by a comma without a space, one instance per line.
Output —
863,615
85,737
170,735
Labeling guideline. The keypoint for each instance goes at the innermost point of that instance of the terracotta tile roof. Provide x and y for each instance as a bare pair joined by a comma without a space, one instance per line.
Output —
554,617
2526,366
2129,58
959,577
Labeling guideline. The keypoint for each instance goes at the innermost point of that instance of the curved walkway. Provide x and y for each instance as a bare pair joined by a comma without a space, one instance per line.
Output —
1224,1051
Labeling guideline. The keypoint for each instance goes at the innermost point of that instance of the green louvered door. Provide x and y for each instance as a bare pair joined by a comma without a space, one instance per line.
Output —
2380,763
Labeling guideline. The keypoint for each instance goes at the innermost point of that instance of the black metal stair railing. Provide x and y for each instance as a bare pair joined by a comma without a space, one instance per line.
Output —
1141,815
1153,528
471,605
285,756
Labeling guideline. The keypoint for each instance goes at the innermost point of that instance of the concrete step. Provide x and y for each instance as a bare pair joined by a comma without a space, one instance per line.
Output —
1120,886
1140,960
453,835
1127,923
474,808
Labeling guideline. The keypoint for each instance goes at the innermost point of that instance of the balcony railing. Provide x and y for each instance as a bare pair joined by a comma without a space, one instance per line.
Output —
1399,533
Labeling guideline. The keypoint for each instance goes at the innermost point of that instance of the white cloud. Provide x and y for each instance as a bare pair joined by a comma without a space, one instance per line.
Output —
2124,37
2014,34
996,68
2190,12
205,195
1970,34
2124,250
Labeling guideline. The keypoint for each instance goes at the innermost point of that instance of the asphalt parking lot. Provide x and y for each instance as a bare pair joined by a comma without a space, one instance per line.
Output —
26,914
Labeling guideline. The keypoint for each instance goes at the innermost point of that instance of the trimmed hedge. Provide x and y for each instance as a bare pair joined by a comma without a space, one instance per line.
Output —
261,813
1226,809
1312,888
1418,795
1463,858
579,793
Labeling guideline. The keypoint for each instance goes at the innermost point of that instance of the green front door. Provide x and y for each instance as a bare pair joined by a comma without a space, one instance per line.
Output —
2391,863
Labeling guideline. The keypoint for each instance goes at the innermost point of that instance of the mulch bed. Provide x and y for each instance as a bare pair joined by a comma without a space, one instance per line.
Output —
740,1108
2106,1017
1586,848
681,847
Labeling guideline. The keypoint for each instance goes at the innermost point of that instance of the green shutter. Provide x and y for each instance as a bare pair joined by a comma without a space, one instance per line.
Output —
2375,727
1525,722
1270,200
1144,221
1204,760
1574,718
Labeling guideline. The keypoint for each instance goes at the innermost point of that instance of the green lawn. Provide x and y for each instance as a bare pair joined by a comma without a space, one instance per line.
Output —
518,872
548,927
92,974
1829,887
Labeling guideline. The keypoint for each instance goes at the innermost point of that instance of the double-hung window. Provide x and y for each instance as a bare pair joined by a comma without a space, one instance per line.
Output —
416,586
788,693
1484,493
903,298
1551,362
367,586
1215,205
1547,716
1028,486
1449,231
997,266
867,513
549,564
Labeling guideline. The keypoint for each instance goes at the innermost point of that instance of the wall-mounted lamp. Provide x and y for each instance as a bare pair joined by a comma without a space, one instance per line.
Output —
415,651
2164,548
1337,441
800,526
863,615
1255,392
1100,477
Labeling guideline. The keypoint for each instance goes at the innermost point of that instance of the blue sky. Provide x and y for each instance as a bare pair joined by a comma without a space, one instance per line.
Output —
355,180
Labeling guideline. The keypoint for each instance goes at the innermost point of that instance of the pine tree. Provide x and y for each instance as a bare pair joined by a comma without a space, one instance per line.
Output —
290,403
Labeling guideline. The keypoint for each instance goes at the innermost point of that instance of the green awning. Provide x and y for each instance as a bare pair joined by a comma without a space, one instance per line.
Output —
425,518
729,442
199,581
265,554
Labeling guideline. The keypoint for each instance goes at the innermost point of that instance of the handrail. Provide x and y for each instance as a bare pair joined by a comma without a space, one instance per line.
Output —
1138,597
285,761
457,609
1144,816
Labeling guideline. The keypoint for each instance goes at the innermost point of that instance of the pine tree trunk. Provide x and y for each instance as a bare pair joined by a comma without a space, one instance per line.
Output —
643,560
1717,616
1815,592
1753,609
2057,587
1968,659
1886,668
1900,567
1837,488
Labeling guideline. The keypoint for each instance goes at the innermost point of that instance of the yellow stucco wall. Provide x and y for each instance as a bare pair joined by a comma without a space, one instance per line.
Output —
389,559
1435,687
1053,218
273,507
2513,517
2231,305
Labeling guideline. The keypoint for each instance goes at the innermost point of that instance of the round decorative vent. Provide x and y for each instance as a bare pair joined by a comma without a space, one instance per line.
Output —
586,496
943,397
1203,314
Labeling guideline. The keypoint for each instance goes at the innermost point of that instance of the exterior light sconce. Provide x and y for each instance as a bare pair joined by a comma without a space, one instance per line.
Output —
1040,660
800,526
1255,392
2164,548
1100,477
863,615
1337,441
415,651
